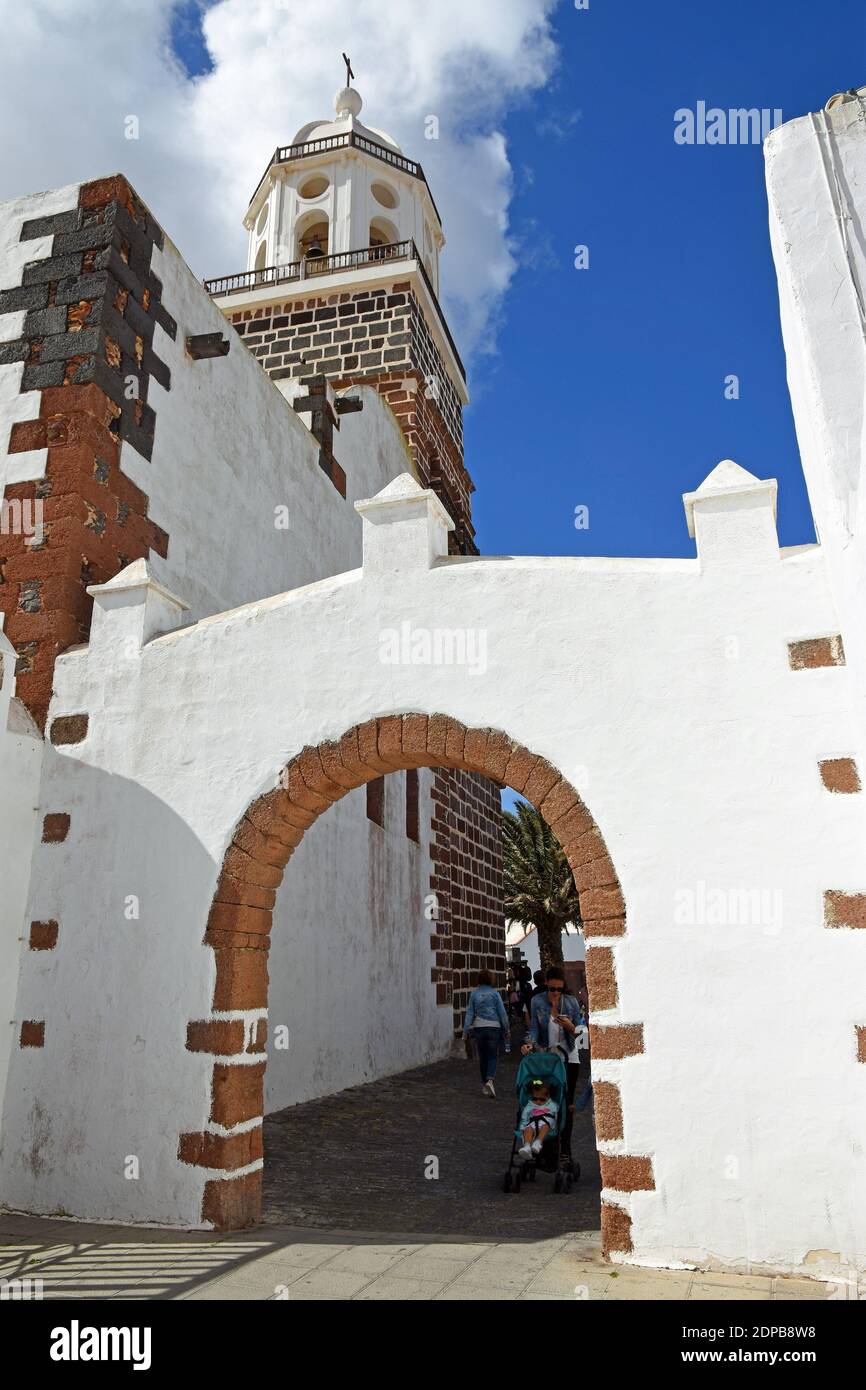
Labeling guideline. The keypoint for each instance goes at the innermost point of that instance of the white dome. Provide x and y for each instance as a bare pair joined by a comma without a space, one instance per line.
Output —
347,104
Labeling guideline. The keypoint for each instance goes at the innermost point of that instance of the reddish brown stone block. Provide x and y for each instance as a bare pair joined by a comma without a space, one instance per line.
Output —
615,1230
266,849
437,730
596,904
237,890
560,800
415,737
601,978
33,1033
335,769
216,1035
268,815
368,749
43,936
300,793
498,755
609,926
226,1151
69,728
615,1040
584,849
238,1093
309,764
242,865
236,917
844,909
861,1043
840,775
26,435
817,651
520,767
475,749
627,1173
541,780
389,739
231,1204
55,828
607,1106
455,737
599,873
241,979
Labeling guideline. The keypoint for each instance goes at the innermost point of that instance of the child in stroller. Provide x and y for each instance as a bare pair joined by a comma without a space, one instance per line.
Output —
537,1120
540,1074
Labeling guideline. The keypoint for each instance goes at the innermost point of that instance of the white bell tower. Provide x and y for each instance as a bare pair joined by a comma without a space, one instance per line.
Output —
342,283
341,186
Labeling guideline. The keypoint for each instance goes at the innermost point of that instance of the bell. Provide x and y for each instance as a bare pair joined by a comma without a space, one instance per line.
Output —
314,249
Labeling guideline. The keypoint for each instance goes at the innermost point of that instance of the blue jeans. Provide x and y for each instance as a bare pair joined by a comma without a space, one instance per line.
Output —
487,1042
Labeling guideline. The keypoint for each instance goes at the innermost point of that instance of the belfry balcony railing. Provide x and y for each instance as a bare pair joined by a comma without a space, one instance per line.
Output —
283,154
294,272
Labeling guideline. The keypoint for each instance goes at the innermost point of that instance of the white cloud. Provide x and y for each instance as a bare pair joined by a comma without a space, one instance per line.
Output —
71,74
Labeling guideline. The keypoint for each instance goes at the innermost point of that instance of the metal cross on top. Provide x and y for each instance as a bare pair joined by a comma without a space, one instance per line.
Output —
349,72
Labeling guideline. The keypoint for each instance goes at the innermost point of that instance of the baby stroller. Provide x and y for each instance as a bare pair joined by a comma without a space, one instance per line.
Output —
548,1067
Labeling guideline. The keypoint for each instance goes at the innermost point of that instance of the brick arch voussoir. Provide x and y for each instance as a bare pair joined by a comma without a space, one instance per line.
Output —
240,917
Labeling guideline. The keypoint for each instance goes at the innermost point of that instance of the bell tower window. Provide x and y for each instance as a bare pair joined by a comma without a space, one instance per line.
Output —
314,186
382,233
384,194
313,237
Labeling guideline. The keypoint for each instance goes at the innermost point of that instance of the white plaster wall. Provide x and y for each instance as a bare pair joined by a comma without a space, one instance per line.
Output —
350,954
14,255
229,450
816,183
699,767
20,764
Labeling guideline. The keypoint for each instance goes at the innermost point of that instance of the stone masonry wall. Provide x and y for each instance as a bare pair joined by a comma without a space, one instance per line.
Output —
466,850
379,336
86,345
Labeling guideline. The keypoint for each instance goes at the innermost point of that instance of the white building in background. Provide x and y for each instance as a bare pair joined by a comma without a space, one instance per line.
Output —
525,939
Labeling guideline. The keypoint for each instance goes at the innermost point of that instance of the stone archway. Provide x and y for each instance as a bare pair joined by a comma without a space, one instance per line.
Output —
239,923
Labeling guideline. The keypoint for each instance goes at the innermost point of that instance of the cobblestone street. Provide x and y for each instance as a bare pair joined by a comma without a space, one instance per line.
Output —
348,1214
356,1160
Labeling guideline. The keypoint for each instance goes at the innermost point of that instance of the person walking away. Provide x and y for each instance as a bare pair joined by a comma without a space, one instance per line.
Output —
486,1022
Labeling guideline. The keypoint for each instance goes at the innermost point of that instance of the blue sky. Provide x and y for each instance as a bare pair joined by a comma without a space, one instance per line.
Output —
606,387
621,367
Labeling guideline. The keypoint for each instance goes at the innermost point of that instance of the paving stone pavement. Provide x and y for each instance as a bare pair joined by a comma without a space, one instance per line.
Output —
357,1160
73,1260
350,1215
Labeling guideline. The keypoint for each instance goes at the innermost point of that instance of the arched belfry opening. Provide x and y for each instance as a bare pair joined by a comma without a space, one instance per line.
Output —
383,232
239,923
313,236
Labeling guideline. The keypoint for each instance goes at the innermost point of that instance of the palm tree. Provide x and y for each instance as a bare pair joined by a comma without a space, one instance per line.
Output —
537,881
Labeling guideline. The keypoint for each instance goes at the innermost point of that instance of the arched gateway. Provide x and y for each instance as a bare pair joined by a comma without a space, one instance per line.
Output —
239,927
695,704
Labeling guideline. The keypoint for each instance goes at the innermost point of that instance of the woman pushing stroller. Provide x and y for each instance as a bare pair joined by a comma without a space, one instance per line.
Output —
554,1020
